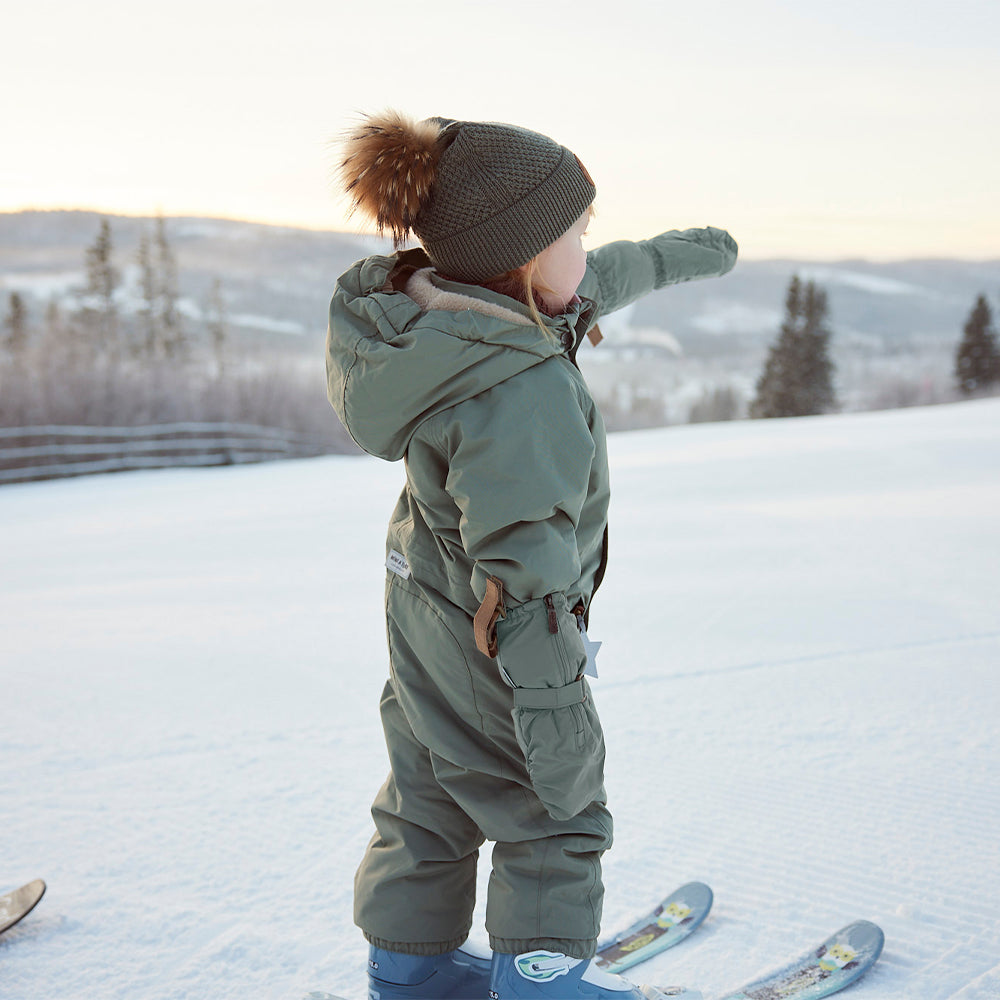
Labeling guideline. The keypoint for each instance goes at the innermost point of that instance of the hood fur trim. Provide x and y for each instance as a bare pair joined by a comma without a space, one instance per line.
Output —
428,296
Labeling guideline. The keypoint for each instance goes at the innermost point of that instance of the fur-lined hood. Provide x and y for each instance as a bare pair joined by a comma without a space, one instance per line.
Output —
404,343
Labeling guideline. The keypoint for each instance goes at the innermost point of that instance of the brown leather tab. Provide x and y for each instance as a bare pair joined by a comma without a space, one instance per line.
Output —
594,335
484,625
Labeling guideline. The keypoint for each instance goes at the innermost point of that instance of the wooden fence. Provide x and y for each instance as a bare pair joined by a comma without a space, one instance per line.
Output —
51,452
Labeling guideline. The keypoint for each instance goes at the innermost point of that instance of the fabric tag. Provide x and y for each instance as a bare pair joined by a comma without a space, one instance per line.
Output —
398,564
590,648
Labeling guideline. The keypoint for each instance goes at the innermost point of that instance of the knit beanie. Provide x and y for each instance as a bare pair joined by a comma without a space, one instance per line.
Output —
482,197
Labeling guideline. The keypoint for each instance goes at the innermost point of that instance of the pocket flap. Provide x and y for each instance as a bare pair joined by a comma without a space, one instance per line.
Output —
540,698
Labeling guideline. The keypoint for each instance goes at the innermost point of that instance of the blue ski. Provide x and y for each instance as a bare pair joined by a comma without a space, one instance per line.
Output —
681,913
839,961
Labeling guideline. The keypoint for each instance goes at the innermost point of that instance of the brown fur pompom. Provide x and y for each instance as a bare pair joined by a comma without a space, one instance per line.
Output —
389,169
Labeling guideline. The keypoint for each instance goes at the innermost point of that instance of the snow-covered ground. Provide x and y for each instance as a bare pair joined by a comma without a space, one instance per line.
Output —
800,687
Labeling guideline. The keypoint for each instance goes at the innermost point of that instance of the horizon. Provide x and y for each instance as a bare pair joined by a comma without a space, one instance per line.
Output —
362,234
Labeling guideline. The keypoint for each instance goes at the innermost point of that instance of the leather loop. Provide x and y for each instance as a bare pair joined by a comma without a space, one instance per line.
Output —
540,698
484,624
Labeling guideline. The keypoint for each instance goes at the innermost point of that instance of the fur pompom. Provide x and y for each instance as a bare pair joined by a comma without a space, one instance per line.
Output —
389,169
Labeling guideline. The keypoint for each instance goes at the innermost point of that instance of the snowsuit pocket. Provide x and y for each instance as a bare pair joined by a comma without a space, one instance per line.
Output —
557,728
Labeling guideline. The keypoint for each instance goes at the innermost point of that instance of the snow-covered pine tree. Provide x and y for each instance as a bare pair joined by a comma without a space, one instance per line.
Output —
977,358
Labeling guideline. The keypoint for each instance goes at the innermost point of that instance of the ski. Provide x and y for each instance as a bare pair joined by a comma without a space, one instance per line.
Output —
19,903
666,925
840,960
681,913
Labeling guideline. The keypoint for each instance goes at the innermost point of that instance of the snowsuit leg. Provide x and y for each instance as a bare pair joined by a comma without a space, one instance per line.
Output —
459,778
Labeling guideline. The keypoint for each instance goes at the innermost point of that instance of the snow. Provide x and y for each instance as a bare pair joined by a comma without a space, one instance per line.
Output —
799,688
735,318
42,285
267,324
873,283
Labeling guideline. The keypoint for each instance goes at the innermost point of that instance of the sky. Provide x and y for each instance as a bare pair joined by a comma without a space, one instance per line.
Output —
865,128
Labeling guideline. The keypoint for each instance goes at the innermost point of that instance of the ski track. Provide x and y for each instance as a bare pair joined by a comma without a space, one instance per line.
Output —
192,741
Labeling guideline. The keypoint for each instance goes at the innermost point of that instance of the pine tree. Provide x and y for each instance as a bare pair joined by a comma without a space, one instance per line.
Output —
148,283
102,280
168,292
797,379
817,369
216,321
15,328
977,359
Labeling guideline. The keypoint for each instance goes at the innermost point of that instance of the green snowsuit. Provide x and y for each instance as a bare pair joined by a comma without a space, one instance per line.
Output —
503,514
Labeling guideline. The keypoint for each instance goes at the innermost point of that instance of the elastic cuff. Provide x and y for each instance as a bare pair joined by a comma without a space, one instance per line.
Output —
422,948
572,947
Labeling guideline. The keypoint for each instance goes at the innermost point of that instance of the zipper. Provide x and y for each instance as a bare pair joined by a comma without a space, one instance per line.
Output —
553,620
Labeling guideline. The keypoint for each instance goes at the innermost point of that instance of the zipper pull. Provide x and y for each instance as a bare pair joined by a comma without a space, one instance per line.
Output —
553,620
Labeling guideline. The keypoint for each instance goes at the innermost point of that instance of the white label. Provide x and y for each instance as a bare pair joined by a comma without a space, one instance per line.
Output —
398,564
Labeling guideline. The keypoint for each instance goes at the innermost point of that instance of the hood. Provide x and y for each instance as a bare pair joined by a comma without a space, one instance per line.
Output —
404,344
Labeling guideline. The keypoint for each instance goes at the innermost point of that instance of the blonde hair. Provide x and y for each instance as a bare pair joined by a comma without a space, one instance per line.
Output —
522,285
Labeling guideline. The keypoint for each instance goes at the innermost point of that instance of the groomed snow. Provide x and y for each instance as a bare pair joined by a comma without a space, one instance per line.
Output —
799,686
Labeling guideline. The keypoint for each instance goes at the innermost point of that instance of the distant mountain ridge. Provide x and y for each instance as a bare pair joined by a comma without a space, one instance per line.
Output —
277,281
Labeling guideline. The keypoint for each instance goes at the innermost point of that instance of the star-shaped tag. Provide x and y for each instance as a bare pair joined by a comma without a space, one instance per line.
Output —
590,648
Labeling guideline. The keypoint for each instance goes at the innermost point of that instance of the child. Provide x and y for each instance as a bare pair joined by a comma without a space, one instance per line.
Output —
459,357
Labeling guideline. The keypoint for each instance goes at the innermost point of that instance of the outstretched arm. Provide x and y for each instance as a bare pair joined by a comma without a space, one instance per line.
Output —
621,272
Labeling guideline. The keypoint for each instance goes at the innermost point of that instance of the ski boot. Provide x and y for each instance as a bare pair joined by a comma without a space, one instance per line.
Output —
547,975
463,974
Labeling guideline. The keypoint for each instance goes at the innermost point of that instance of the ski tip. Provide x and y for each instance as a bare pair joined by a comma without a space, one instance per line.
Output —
864,936
35,888
699,891
16,905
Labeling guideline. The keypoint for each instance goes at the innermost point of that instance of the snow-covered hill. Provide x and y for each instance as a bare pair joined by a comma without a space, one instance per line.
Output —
799,686
895,325
279,279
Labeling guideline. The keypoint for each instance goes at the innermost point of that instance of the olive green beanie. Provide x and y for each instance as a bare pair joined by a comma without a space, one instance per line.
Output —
500,195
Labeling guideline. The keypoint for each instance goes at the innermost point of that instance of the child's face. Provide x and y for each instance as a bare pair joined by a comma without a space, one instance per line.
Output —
560,267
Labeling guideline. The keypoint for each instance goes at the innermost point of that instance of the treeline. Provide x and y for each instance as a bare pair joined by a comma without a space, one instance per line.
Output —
798,375
129,353
126,349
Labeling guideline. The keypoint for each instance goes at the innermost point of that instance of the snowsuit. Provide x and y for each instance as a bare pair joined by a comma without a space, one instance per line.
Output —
495,548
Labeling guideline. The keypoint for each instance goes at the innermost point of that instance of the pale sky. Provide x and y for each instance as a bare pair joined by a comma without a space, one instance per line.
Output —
816,128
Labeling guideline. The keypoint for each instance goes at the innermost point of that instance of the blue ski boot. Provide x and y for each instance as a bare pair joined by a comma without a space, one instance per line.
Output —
547,975
463,974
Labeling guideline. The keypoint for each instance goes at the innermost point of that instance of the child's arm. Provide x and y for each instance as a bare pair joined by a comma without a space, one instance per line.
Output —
619,273
522,460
